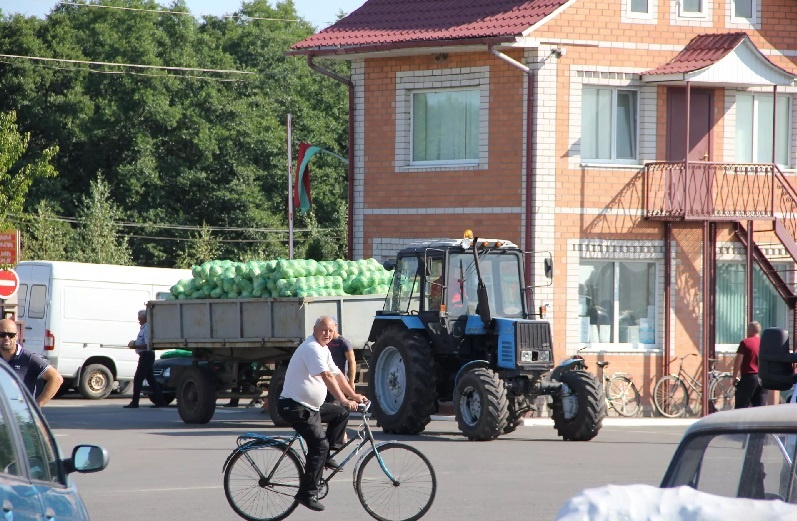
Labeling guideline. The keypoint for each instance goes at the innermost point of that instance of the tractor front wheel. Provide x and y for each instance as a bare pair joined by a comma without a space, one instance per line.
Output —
480,404
579,411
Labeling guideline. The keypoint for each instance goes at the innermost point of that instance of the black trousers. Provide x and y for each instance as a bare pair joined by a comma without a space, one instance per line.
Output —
307,423
749,392
146,362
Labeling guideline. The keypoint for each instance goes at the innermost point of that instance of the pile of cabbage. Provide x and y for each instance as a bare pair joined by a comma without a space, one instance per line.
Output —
226,279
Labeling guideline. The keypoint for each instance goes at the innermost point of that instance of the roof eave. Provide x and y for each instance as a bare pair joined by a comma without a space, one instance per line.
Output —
349,50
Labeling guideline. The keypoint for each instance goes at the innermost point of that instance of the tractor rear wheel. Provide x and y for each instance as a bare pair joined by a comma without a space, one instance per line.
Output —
480,404
402,381
579,411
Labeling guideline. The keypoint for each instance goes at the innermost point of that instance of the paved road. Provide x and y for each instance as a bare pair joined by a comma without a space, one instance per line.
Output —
162,469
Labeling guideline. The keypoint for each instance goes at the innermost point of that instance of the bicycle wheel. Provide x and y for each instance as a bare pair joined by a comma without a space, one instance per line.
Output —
722,393
405,499
622,395
260,484
670,397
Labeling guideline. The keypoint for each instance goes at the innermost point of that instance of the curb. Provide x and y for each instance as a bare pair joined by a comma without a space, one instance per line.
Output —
623,422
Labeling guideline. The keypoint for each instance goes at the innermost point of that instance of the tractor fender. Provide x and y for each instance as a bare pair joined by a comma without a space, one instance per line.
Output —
381,322
571,364
470,365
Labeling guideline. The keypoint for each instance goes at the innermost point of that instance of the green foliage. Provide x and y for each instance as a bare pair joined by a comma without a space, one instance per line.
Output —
204,247
97,238
44,237
18,172
176,147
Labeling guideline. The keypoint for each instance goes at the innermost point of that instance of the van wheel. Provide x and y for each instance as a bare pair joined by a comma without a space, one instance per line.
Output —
96,382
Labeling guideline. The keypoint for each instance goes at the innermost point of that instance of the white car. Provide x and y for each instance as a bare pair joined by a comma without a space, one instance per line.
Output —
737,464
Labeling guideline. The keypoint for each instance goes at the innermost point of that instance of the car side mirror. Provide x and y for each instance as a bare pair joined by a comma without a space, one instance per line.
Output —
89,458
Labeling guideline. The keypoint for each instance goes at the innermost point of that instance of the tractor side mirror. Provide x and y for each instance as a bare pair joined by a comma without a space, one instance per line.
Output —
389,264
548,267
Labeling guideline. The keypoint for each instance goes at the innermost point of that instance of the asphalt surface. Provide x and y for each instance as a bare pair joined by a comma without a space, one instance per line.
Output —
163,469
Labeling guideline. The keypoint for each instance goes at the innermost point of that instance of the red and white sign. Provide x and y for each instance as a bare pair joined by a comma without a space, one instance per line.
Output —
9,283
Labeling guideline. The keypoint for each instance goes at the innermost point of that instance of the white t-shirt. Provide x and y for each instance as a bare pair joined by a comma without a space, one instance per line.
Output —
302,383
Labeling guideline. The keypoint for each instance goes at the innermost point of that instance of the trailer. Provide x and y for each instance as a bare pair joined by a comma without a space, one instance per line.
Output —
260,335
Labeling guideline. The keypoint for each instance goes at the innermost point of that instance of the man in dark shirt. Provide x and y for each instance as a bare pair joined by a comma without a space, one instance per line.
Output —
749,392
28,366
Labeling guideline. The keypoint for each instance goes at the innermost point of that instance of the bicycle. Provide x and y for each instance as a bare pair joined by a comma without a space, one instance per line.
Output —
393,481
619,392
671,396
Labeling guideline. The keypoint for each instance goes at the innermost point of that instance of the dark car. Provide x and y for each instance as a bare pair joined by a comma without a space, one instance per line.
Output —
34,480
163,370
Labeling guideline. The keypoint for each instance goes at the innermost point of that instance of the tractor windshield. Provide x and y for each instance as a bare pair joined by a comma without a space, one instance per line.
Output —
402,296
501,274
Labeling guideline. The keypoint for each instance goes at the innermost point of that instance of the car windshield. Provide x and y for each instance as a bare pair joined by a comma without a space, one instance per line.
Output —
747,465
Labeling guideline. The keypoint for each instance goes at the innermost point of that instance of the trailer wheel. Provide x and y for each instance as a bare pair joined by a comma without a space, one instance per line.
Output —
274,391
402,381
578,413
480,404
196,396
96,382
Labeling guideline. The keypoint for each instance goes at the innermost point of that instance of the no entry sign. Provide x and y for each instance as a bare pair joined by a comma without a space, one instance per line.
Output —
9,283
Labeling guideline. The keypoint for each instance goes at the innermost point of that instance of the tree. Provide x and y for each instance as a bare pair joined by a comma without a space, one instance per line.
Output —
17,172
97,238
202,247
44,237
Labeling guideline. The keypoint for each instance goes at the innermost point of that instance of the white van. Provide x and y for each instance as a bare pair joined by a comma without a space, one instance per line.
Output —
82,316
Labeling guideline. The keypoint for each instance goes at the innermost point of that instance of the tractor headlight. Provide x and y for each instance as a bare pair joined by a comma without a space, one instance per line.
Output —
527,356
544,356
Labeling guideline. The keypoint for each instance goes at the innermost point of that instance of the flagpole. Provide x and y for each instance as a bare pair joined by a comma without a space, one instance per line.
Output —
290,189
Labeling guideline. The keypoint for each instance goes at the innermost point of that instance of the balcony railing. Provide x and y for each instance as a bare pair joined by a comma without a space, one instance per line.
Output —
677,191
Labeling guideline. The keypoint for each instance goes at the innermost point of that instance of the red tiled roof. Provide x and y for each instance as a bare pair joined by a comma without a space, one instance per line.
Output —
396,22
703,51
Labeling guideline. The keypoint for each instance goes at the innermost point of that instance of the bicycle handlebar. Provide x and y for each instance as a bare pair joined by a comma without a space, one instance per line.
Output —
363,407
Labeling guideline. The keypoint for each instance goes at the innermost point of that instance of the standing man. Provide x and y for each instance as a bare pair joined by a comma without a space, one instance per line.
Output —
311,372
146,362
343,355
749,392
28,366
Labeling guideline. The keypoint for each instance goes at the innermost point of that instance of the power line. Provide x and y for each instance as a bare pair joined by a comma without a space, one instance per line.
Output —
132,65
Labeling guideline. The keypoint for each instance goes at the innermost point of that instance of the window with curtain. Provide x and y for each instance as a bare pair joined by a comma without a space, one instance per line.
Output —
744,9
731,304
445,125
609,124
754,129
617,302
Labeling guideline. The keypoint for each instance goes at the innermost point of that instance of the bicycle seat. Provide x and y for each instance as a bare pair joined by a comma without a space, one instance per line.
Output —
602,364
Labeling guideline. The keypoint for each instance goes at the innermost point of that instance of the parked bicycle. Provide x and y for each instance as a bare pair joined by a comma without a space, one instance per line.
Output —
619,391
393,481
672,392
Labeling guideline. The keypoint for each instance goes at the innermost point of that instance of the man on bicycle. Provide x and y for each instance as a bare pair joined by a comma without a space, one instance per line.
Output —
311,373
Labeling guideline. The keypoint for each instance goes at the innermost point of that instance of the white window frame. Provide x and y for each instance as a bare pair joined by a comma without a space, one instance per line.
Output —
741,19
624,346
703,13
788,124
613,158
437,162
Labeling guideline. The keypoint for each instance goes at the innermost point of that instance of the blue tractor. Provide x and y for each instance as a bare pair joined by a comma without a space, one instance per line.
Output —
456,326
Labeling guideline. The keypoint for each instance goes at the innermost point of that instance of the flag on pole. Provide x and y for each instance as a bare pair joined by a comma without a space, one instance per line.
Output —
301,188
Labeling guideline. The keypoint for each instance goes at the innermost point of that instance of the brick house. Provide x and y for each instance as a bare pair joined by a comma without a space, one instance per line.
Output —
562,126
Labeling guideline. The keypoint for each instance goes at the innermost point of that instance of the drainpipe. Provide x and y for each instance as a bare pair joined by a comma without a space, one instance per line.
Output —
530,198
350,174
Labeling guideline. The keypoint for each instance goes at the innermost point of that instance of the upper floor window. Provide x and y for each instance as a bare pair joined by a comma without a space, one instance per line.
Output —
743,10
692,8
609,122
445,126
754,129
639,7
